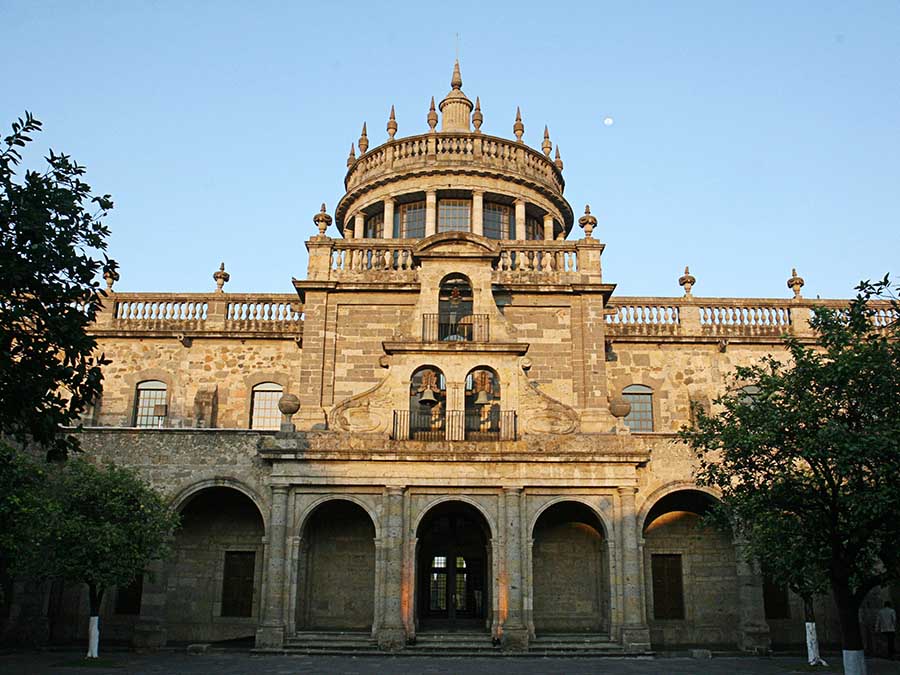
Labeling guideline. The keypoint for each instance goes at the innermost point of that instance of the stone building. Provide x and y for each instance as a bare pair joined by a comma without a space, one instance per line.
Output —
479,433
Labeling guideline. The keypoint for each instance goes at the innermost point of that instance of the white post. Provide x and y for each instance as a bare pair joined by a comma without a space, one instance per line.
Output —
93,638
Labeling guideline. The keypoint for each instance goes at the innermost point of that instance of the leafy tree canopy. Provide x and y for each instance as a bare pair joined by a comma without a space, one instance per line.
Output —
52,237
805,450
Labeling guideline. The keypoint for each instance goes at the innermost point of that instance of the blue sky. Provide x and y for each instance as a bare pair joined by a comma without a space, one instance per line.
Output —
748,137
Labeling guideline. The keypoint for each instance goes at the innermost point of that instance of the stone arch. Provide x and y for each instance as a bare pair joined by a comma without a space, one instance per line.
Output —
180,500
336,566
437,501
304,516
667,489
564,498
570,568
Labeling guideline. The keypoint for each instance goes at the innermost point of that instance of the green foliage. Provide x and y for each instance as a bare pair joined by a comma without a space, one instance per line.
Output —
22,500
51,236
808,464
99,526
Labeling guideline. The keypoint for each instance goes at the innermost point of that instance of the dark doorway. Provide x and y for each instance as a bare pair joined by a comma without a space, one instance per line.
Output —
237,583
453,559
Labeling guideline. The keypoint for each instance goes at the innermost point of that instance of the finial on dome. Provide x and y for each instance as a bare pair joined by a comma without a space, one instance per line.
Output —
687,281
392,125
432,117
322,220
477,117
587,221
351,159
456,80
363,141
558,161
546,146
518,127
795,283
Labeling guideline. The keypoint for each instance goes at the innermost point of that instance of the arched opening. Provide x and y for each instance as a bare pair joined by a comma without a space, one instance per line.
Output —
483,405
427,404
453,556
215,572
690,573
570,571
455,322
336,587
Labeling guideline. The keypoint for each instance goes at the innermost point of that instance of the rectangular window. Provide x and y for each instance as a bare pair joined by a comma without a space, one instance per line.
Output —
374,227
264,413
497,218
534,228
668,592
237,583
411,219
128,598
150,405
775,600
641,416
454,215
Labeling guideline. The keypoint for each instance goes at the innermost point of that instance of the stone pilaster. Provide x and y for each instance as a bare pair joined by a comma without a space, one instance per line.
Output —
391,633
430,212
388,232
270,633
520,219
753,629
635,633
359,225
478,212
515,633
309,390
548,227
150,630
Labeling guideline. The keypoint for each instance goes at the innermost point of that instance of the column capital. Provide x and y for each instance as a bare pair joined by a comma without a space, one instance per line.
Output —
623,491
513,490
280,489
395,489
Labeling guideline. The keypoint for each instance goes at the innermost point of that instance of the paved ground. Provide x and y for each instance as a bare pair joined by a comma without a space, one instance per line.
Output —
239,663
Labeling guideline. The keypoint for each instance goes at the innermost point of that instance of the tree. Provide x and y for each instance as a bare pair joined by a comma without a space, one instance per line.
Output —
100,527
49,294
806,455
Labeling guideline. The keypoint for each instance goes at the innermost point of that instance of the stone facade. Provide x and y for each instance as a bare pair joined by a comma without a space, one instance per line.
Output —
517,504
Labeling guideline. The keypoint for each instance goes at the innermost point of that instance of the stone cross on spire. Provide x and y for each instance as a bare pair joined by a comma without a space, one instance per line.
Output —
456,108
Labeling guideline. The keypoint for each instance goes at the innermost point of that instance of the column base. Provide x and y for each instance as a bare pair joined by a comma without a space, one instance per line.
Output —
391,639
636,639
270,637
149,635
514,639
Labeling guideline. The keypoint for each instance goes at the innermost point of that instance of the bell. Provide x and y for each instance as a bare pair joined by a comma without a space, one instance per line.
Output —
427,398
482,398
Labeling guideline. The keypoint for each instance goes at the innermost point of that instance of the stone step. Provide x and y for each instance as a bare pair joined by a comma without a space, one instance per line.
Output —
331,642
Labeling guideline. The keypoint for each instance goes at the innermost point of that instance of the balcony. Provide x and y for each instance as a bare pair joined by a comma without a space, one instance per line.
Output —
491,424
450,328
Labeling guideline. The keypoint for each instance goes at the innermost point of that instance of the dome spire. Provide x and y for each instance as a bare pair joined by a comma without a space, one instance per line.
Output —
363,141
392,125
456,108
518,127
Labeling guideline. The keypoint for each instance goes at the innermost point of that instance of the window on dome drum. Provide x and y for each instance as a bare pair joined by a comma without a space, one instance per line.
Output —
150,404
374,226
641,416
668,589
409,221
454,215
534,228
264,413
499,221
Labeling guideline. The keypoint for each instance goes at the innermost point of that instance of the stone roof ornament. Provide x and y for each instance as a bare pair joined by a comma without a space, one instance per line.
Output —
558,161
392,125
363,141
518,127
220,276
322,220
795,283
432,117
587,221
456,108
110,276
687,281
477,117
351,159
546,146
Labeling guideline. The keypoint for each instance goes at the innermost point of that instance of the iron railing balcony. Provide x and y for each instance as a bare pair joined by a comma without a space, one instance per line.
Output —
452,328
485,425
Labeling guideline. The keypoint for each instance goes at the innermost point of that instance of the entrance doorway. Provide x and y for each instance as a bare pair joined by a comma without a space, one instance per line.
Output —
453,592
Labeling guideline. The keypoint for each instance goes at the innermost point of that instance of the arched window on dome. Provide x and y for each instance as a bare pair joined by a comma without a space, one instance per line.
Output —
641,399
264,413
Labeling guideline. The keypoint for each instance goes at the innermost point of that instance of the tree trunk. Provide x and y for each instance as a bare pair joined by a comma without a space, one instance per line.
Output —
851,636
812,638
95,596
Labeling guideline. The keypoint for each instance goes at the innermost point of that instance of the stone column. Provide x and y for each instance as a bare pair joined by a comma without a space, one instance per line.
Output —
520,220
388,232
515,633
548,227
430,212
150,630
635,633
478,212
359,225
391,634
753,629
270,633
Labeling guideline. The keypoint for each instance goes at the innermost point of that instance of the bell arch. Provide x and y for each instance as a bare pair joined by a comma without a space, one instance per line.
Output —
427,410
483,404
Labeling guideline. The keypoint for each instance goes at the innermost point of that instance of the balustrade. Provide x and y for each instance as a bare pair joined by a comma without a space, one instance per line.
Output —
371,255
489,424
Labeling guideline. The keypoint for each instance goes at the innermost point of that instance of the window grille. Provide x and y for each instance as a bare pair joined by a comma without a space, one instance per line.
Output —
150,404
410,219
454,215
641,416
264,413
499,221
374,226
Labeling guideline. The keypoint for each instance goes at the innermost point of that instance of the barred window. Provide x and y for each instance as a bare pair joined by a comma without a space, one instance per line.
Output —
410,221
499,221
264,413
150,404
641,416
454,215
374,227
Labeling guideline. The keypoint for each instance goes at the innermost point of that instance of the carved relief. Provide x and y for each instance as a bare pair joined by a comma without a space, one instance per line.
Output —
543,414
368,412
